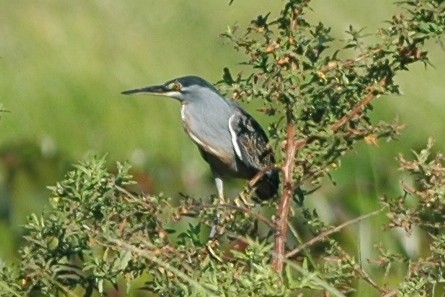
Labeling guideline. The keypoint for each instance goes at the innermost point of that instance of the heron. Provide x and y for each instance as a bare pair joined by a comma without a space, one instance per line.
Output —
229,139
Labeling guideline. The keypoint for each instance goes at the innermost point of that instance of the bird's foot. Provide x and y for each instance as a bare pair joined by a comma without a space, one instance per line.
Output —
214,232
211,244
244,199
217,229
222,200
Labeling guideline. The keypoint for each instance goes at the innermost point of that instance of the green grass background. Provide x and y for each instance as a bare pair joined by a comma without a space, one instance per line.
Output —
64,64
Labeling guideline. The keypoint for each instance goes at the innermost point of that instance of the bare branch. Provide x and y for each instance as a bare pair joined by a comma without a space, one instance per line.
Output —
326,233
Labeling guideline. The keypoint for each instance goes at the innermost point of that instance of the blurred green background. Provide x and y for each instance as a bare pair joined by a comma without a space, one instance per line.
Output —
64,64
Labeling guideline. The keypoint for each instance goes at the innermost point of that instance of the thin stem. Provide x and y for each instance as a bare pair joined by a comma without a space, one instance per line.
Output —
298,238
252,183
326,233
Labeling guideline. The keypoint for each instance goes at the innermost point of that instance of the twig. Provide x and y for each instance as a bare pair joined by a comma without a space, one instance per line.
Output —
326,233
355,111
390,294
112,242
298,238
126,192
286,198
252,183
348,63
369,280
362,272
373,94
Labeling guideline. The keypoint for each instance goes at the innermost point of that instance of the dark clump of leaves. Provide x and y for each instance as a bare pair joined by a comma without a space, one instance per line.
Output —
97,235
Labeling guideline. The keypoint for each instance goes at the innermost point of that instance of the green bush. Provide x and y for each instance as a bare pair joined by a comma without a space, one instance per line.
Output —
318,90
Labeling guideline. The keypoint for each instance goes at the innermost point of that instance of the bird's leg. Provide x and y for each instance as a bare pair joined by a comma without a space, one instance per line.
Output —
219,187
214,232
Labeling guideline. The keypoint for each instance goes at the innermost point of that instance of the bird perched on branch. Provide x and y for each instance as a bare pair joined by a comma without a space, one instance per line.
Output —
228,138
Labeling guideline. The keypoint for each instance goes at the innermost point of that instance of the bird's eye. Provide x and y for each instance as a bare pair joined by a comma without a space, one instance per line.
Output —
176,86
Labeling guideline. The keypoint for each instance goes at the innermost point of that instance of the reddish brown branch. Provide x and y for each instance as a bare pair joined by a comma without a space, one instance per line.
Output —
286,198
373,94
355,111
288,187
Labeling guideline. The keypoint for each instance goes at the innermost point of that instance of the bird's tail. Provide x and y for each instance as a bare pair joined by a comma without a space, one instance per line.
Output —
267,186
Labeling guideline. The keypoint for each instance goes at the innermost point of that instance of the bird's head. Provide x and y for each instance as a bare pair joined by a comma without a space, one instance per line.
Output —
184,89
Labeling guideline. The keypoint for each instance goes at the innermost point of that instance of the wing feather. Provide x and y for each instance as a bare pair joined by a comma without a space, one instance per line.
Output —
250,141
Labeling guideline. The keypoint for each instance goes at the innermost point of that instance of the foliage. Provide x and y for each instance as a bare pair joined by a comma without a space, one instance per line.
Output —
319,90
96,233
422,206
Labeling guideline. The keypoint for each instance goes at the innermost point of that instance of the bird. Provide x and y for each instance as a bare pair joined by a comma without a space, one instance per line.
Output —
229,139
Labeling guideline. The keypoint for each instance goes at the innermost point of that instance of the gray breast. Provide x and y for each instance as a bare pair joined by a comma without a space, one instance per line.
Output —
207,125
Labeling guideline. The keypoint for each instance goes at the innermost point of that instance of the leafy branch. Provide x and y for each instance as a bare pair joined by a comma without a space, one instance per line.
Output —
325,100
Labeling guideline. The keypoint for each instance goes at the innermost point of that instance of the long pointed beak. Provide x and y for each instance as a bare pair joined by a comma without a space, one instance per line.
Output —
155,90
